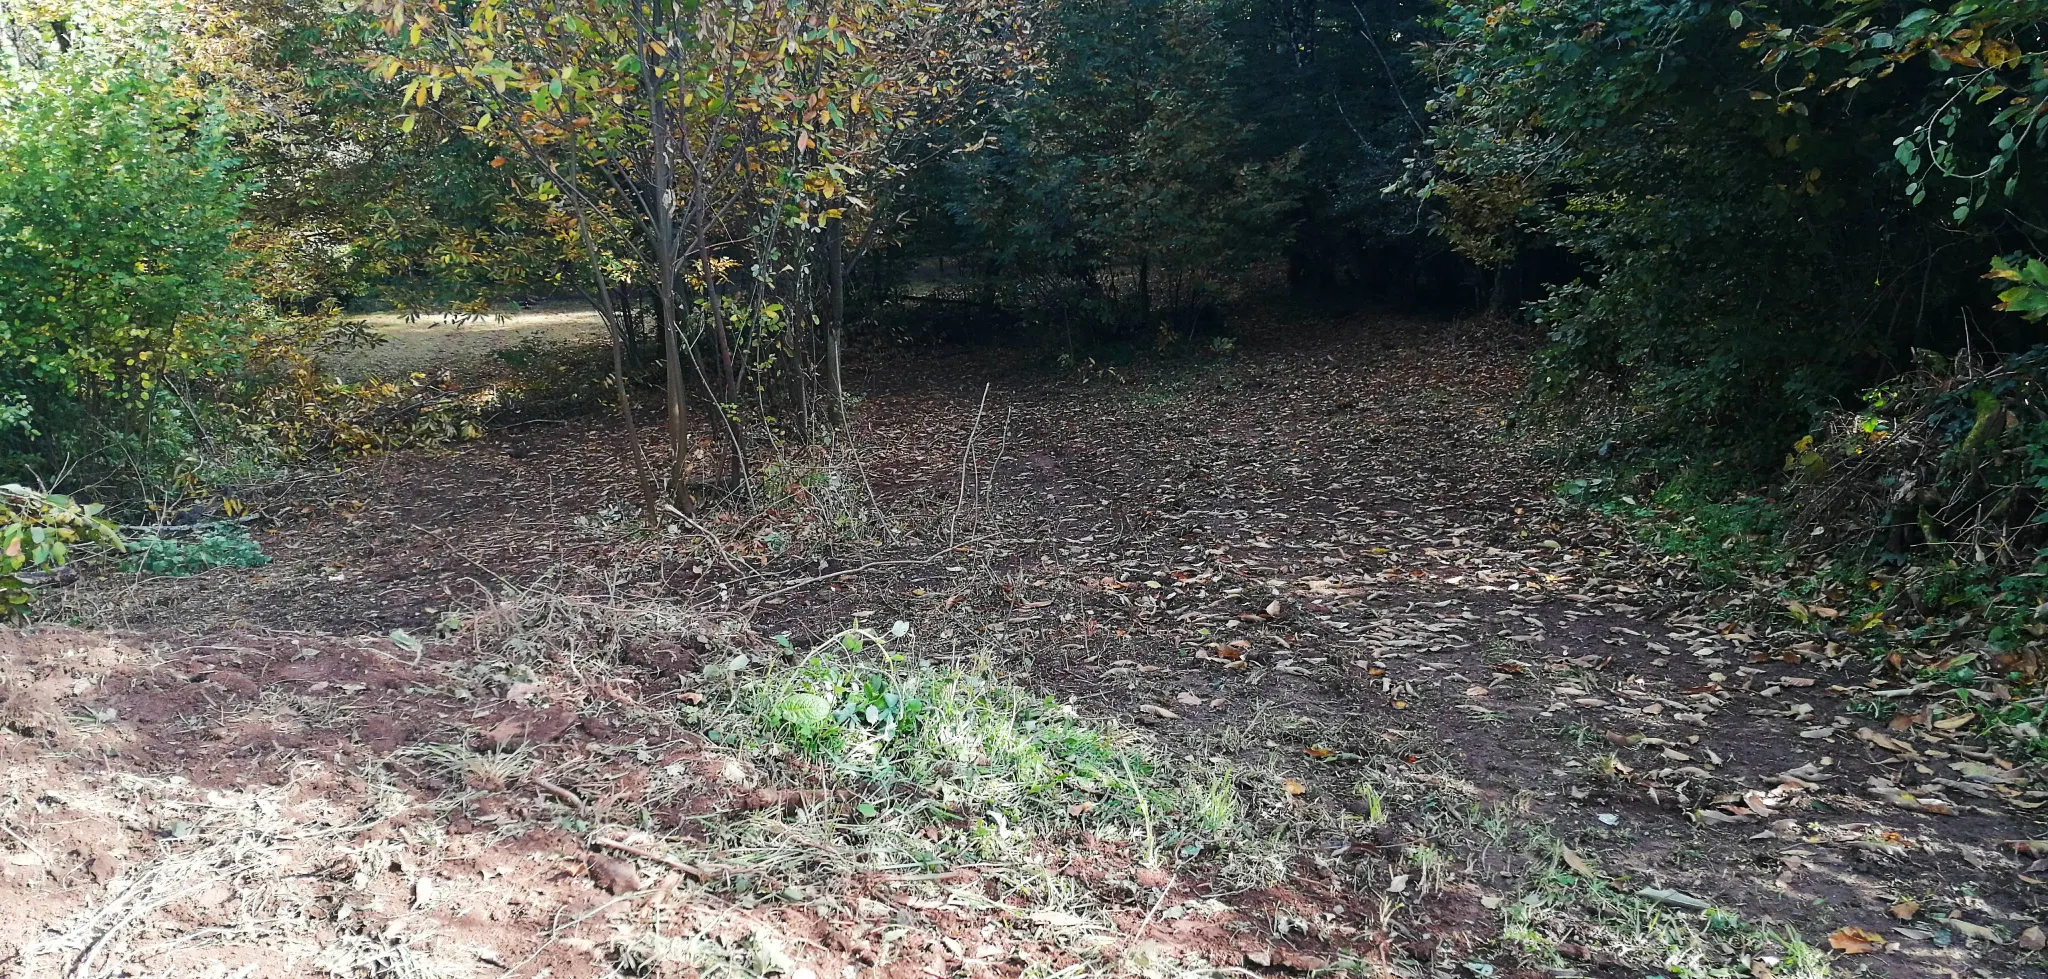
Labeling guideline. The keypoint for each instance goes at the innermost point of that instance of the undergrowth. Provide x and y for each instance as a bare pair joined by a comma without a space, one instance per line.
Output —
1914,528
227,547
1726,538
949,743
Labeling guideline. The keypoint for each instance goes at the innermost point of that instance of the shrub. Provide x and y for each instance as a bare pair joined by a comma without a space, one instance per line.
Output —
39,531
118,203
229,547
1943,473
1744,197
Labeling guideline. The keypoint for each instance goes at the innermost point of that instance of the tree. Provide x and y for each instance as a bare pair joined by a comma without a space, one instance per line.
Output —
1748,258
1119,186
700,145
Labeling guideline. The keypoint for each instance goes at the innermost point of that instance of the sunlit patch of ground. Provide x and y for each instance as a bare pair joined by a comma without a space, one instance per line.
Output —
436,342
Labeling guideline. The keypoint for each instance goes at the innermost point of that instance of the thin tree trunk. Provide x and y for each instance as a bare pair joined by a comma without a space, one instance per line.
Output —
835,313
668,269
728,395
1145,288
621,334
672,377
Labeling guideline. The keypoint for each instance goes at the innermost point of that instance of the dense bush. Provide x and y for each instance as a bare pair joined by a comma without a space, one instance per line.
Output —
1741,185
119,200
1941,480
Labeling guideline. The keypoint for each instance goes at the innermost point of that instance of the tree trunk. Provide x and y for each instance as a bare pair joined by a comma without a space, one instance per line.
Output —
728,394
835,316
1507,291
672,376
1145,289
619,324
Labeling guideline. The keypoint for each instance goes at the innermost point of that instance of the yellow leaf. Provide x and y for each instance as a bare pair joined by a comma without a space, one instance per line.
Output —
1999,53
1855,941
1293,787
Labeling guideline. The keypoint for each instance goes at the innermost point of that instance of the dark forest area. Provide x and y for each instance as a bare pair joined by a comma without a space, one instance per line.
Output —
830,488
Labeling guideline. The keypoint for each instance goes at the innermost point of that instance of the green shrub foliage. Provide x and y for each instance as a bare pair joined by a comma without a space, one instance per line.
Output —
119,200
1771,204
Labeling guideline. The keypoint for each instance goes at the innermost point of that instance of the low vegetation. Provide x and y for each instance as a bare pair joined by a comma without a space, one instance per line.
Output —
1072,487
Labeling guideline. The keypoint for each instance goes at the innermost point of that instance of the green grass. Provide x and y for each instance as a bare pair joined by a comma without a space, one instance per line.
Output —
948,742
1726,538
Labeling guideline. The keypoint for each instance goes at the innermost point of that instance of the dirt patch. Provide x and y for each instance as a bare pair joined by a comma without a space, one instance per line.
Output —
1490,730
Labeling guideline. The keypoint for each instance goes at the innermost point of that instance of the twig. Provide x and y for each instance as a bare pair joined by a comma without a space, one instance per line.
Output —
559,792
807,582
1146,924
646,854
188,528
716,544
966,454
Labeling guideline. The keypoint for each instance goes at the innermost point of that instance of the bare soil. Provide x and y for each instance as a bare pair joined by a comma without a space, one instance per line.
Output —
1327,557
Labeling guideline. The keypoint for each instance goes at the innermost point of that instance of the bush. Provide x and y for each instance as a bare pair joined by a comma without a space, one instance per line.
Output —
118,205
38,532
1943,478
1746,200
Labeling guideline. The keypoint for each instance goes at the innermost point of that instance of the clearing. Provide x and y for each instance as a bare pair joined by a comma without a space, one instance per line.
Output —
1289,663
428,342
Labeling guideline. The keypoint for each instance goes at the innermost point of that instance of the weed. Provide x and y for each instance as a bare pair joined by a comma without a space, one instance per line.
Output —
229,547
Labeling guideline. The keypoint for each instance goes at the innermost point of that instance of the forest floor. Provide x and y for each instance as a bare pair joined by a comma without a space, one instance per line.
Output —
1353,694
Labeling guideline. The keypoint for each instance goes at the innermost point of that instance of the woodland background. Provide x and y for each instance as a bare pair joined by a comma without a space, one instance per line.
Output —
1784,259
1355,487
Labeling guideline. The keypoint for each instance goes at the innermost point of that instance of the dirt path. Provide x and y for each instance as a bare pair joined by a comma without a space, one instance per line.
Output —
1324,572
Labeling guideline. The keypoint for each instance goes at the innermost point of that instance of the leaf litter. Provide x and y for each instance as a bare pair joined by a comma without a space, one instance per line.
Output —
1399,679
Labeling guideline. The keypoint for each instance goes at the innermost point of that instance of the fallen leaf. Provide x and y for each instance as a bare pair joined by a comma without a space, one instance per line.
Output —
1293,787
614,875
1158,711
520,693
1856,941
1970,929
1580,865
1665,895
1951,723
1905,910
1885,741
1318,751
2033,939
